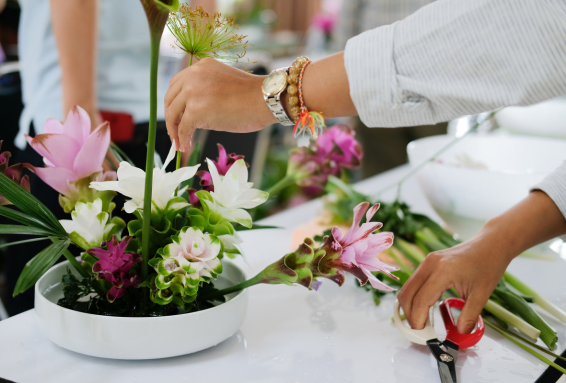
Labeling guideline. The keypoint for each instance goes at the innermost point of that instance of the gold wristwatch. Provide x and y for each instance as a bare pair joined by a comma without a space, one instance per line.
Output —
273,86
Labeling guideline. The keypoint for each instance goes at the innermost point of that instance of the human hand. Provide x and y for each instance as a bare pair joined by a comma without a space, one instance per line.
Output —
215,96
473,268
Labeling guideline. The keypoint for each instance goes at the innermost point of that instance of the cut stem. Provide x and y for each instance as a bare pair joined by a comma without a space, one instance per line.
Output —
508,317
539,299
524,347
220,293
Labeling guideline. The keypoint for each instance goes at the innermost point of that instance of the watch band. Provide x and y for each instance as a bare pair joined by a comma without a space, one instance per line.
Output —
275,106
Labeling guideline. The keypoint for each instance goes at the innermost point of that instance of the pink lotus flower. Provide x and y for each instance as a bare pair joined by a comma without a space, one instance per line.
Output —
223,163
14,172
360,247
70,151
114,265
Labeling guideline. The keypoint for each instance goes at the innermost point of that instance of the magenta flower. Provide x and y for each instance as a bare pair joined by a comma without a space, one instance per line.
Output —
334,150
356,251
324,22
70,151
14,172
223,163
114,265
360,247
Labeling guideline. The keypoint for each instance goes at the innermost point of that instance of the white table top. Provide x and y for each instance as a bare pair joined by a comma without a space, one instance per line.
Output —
294,335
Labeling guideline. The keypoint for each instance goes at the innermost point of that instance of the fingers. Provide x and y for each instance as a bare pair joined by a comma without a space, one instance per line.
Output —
173,117
172,92
470,313
185,132
427,296
413,285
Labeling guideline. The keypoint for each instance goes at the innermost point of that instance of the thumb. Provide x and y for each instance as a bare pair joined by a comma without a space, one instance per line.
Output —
470,313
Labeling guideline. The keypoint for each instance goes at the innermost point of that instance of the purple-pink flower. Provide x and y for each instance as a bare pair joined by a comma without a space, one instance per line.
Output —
360,245
13,172
114,265
333,151
70,151
223,163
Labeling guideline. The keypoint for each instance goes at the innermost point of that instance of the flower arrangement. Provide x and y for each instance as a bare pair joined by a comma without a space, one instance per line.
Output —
165,258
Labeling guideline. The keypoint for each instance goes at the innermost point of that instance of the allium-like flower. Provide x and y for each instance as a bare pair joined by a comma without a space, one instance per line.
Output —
70,151
131,181
190,259
114,265
233,193
223,163
87,225
201,35
360,245
13,172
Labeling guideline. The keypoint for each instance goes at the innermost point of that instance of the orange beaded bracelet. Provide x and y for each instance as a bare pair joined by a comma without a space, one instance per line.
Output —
308,123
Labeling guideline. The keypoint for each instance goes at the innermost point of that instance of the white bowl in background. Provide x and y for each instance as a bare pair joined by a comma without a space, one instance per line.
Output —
137,338
465,198
546,119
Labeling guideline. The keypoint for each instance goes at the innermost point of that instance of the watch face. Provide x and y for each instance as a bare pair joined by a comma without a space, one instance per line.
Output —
274,83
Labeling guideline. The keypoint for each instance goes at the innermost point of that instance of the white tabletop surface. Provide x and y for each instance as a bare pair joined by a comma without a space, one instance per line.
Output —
294,335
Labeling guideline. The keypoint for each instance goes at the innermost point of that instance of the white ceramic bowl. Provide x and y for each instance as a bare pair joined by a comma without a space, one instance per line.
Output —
465,198
137,338
546,119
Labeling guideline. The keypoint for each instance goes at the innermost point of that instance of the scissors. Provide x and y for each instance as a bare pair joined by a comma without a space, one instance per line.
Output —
446,352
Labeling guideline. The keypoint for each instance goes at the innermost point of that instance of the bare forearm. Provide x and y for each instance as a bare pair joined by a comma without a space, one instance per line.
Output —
532,221
75,29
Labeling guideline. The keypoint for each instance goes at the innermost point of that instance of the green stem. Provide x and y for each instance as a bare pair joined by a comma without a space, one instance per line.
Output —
524,347
281,184
178,165
220,293
73,261
150,153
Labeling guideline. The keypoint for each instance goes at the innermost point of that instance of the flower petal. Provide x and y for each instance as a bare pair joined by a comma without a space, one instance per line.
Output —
77,125
57,178
91,156
59,149
53,126
170,156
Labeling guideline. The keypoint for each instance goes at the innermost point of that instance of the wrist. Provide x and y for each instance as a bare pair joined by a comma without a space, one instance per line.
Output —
501,238
261,109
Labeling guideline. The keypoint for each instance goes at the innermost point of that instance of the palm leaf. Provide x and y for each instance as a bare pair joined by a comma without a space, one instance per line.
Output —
23,218
21,229
25,241
35,268
28,203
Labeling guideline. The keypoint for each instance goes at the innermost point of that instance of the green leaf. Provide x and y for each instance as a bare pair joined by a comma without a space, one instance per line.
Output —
20,217
193,160
35,268
21,229
24,241
167,5
256,227
119,154
29,204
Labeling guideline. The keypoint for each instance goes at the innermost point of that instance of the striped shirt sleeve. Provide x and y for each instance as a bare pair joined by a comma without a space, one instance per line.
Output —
554,185
458,57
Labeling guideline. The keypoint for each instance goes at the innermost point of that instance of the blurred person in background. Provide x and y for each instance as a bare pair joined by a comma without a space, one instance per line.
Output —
384,148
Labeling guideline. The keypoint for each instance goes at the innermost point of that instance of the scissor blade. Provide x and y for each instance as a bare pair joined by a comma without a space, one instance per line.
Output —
445,375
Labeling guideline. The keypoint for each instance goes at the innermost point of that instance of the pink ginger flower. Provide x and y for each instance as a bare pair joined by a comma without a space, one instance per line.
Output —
356,251
13,172
114,265
324,22
71,151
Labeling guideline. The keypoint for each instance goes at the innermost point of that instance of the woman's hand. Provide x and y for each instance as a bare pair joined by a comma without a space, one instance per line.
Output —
215,96
475,267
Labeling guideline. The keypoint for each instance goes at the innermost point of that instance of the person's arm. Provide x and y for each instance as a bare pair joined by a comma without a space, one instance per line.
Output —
475,267
449,59
75,29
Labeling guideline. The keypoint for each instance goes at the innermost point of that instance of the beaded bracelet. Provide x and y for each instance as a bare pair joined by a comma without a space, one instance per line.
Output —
308,123
292,89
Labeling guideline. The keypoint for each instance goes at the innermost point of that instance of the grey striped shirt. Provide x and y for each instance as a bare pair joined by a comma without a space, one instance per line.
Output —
459,57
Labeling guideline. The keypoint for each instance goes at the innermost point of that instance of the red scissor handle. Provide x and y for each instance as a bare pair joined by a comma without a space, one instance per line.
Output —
452,334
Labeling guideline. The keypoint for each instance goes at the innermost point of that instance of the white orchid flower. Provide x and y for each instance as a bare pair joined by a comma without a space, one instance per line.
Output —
87,224
233,193
231,244
131,183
